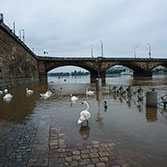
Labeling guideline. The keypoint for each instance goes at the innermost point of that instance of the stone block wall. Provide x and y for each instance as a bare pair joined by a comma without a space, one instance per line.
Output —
17,62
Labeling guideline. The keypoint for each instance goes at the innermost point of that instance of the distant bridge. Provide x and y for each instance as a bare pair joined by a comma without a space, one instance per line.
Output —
98,66
18,64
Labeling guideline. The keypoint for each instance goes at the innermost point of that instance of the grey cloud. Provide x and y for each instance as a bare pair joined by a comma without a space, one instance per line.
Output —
70,27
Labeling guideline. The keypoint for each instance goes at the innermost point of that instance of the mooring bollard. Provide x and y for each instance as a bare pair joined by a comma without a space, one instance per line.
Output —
151,99
98,84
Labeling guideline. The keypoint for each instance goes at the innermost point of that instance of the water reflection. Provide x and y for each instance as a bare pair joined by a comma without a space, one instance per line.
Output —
84,132
126,118
151,114
98,96
21,105
128,101
99,118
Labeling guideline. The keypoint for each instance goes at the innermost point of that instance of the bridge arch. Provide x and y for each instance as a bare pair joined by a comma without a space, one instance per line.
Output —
93,71
85,66
138,69
163,64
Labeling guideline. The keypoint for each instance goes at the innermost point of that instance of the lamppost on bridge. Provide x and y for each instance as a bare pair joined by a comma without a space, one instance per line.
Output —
101,42
149,50
45,52
92,51
23,35
135,51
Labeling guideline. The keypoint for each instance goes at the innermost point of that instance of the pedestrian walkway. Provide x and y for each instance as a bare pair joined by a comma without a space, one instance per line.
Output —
51,149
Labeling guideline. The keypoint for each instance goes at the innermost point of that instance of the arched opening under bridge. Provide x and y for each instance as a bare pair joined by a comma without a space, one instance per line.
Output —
68,74
119,75
159,69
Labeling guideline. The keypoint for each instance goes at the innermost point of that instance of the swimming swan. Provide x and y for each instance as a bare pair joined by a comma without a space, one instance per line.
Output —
46,95
73,98
28,91
89,92
7,97
85,114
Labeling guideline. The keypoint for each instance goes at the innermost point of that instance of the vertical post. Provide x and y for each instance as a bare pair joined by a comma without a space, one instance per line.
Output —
135,51
14,27
20,34
92,51
149,50
1,18
23,35
98,84
151,99
101,48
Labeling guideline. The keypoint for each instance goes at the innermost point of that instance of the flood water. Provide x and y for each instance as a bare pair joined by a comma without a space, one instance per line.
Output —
139,132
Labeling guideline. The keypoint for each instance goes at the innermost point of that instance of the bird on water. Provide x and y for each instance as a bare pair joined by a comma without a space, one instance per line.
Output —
84,115
46,95
105,105
89,92
73,98
7,97
28,91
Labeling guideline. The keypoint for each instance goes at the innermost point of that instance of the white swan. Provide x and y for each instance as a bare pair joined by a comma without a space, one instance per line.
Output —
89,92
7,97
85,114
5,90
1,92
46,95
73,98
28,91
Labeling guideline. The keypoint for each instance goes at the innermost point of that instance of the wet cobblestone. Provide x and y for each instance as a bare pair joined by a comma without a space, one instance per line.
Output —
16,144
43,144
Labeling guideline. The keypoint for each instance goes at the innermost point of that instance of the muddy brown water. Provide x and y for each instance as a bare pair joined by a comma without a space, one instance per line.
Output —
137,129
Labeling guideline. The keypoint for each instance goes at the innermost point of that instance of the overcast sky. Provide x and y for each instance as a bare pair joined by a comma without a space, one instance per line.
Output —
71,27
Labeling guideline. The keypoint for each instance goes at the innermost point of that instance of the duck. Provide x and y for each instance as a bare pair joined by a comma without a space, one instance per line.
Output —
28,91
89,92
7,97
84,115
105,105
46,95
73,98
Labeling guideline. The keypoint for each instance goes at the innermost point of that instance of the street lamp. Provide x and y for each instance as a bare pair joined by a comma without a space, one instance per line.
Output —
101,48
149,50
23,35
92,51
135,51
45,52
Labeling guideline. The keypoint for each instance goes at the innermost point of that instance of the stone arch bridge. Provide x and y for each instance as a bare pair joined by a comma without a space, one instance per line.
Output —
18,64
98,66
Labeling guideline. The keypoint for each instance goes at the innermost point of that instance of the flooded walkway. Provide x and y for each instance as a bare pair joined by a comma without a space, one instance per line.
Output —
36,132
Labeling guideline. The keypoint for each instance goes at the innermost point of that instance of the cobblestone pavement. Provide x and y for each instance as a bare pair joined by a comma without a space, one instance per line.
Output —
40,143
54,150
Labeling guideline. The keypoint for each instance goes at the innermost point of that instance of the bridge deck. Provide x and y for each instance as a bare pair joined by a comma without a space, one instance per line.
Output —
44,58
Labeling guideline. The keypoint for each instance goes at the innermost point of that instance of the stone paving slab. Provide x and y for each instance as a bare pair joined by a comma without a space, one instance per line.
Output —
52,149
95,154
49,146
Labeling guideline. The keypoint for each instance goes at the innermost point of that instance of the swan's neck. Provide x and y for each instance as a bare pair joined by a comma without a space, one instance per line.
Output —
87,106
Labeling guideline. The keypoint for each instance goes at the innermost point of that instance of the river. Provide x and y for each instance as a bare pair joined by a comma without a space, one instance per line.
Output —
138,133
